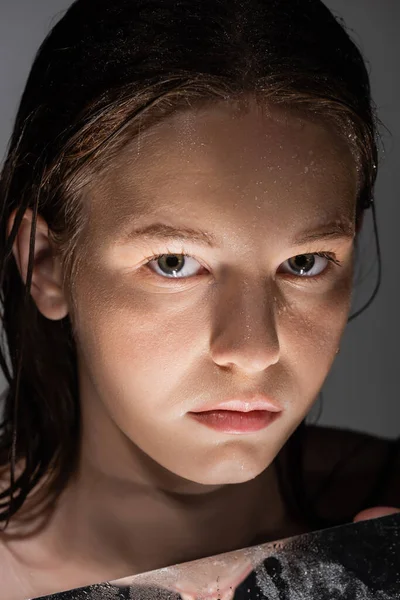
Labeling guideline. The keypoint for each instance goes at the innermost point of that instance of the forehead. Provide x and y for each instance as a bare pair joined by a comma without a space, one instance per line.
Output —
224,159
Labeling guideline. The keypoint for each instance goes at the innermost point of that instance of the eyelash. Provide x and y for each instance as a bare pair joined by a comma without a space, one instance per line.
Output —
329,255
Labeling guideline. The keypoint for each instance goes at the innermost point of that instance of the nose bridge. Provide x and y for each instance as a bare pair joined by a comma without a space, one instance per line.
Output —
244,326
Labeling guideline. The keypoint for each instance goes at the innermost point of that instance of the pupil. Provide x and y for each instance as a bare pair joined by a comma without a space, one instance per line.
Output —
303,262
171,262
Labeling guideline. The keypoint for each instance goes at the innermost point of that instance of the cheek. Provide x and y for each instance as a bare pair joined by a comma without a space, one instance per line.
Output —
311,330
138,342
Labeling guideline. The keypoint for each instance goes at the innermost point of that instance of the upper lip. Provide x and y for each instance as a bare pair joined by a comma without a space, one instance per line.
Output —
244,403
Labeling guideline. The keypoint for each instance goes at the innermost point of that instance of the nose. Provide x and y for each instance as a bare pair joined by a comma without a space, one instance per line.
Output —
244,331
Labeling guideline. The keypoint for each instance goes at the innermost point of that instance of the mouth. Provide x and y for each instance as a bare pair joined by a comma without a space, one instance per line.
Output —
235,422
239,415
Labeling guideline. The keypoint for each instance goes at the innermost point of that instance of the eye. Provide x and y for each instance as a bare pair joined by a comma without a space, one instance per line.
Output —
180,266
175,266
309,265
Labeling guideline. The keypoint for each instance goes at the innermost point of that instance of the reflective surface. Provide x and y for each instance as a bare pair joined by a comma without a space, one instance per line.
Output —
359,561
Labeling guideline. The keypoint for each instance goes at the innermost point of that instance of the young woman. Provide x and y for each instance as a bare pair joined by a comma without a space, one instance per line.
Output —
180,206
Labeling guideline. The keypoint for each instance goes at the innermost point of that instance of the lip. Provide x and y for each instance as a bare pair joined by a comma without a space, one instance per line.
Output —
244,404
235,422
244,415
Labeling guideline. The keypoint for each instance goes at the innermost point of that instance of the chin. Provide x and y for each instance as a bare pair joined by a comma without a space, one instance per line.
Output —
238,468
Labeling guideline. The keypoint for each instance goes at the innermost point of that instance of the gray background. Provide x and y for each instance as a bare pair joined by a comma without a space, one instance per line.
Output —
361,391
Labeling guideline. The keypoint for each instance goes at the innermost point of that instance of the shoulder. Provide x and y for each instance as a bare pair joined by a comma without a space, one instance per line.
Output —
14,574
324,445
13,583
351,469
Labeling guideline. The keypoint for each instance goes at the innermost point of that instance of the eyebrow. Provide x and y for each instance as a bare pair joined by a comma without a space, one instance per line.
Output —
162,231
336,230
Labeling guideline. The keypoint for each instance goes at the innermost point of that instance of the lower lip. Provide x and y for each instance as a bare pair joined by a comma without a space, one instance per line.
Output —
230,421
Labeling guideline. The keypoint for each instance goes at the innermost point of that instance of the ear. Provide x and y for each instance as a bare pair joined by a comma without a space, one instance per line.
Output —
46,288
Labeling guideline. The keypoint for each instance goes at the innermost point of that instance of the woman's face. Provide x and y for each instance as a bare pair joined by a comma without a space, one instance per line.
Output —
159,340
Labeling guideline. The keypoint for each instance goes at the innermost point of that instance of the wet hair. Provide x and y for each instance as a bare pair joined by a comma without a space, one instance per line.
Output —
104,73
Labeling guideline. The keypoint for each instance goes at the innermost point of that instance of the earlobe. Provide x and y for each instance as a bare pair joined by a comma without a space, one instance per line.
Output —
46,287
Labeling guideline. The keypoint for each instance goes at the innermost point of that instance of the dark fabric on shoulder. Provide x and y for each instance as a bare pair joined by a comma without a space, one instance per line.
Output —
386,490
353,471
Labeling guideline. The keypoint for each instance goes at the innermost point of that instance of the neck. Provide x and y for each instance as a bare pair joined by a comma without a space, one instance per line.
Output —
130,527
